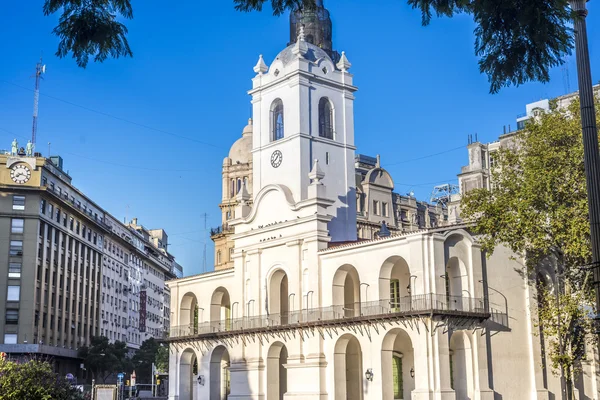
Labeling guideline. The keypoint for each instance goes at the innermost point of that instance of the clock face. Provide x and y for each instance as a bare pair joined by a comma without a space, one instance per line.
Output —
276,158
20,173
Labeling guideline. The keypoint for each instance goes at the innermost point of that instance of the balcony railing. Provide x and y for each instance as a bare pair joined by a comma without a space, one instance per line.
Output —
424,304
220,229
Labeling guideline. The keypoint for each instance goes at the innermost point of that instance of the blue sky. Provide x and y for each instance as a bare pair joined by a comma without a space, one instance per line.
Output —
420,93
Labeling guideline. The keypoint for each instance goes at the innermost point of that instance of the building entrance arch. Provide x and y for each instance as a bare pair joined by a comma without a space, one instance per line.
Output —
461,365
276,371
188,368
397,365
220,378
347,366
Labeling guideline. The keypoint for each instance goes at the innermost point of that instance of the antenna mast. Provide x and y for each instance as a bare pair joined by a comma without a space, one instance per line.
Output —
39,70
205,215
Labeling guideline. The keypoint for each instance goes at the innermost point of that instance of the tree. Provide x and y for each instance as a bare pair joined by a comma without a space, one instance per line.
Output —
538,208
89,28
33,380
517,41
143,359
162,359
104,358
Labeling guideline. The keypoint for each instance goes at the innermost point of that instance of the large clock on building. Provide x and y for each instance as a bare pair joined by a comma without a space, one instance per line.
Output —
20,173
276,158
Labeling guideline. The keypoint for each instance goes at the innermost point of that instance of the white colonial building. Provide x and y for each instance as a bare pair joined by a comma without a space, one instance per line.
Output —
307,310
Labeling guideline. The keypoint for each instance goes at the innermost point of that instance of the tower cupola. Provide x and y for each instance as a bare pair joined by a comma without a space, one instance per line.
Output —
317,28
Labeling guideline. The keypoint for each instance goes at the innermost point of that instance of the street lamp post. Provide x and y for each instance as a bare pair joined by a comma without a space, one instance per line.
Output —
590,137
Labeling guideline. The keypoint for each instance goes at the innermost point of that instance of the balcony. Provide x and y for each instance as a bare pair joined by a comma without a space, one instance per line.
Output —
469,311
220,230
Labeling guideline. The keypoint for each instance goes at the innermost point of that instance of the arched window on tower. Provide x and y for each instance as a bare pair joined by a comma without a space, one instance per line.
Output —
325,118
277,120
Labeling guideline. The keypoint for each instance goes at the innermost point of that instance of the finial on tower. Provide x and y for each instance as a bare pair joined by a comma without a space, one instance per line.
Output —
243,196
316,174
344,64
301,34
260,67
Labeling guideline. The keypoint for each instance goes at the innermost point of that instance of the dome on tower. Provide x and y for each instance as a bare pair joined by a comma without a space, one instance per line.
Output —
314,54
241,150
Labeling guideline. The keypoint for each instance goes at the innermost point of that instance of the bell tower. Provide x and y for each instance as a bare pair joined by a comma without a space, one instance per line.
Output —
303,110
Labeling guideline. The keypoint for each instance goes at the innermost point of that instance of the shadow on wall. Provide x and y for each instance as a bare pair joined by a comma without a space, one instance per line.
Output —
339,222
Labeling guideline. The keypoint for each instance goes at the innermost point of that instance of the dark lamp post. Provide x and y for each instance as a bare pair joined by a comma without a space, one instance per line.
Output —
590,137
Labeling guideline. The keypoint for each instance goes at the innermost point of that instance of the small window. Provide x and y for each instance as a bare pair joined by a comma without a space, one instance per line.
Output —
43,206
277,120
231,254
16,247
14,270
17,225
218,257
325,118
327,158
384,208
19,203
376,210
12,317
10,338
13,293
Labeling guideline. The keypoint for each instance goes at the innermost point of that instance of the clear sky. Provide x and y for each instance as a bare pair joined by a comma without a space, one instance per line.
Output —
184,95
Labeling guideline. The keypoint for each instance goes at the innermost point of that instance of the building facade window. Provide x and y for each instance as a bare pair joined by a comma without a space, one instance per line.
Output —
218,257
376,210
14,270
325,118
384,209
16,248
19,203
12,317
13,293
10,338
277,120
43,206
16,225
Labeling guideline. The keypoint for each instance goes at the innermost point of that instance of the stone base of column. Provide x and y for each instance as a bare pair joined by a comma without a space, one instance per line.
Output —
305,396
485,394
445,394
543,394
426,395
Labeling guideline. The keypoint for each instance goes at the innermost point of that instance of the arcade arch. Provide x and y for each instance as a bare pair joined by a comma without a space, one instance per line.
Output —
347,366
220,310
395,283
346,291
188,368
220,378
276,371
398,363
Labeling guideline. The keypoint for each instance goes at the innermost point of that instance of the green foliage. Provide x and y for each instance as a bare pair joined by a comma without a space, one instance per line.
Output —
104,358
89,28
162,359
143,359
539,202
517,41
538,208
33,380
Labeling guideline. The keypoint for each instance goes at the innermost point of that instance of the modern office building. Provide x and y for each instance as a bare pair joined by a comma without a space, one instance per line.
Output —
69,270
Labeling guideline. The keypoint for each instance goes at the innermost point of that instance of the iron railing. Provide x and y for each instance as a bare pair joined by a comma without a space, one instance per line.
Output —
464,307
